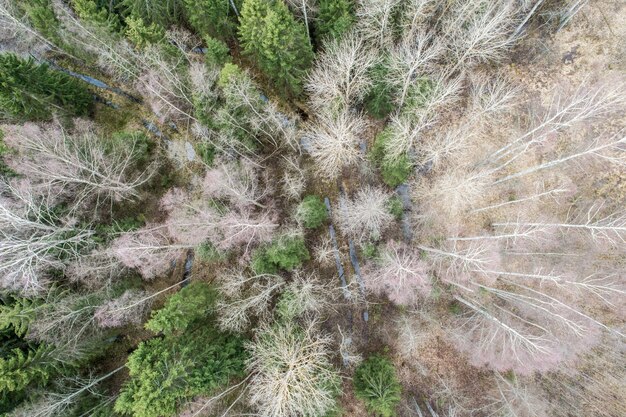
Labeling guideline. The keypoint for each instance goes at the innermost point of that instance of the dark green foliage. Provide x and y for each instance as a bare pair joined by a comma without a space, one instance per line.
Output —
207,152
395,206
212,17
166,371
107,232
334,18
284,253
161,12
5,170
370,250
396,171
19,369
379,101
18,315
235,116
277,42
207,252
31,91
138,141
96,13
42,17
142,34
418,94
192,303
375,382
312,212
217,52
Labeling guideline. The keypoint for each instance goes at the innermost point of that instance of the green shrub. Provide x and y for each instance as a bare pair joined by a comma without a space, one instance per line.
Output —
375,383
164,372
277,42
284,253
5,170
32,91
370,250
138,141
312,212
418,94
207,252
217,52
334,18
396,171
192,303
395,206
379,101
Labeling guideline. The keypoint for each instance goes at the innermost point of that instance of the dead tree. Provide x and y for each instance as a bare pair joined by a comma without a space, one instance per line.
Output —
35,240
80,164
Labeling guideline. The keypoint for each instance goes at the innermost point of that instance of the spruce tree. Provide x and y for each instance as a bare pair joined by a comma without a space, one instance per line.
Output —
19,369
32,91
277,42
214,18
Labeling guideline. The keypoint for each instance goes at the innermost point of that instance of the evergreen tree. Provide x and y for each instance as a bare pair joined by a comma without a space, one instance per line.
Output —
335,17
312,212
394,171
42,17
166,371
284,253
18,315
277,42
376,383
141,34
19,369
161,12
214,18
94,12
31,91
192,303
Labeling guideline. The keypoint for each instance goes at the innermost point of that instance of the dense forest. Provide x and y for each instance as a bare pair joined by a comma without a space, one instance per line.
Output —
313,208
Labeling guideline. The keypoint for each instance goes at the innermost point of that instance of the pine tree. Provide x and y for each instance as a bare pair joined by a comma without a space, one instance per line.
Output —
32,91
277,42
214,18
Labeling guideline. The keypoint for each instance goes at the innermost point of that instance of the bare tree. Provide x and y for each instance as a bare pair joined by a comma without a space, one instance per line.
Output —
333,142
114,313
375,19
35,240
402,275
480,32
245,296
413,58
149,250
81,164
291,371
340,76
366,216
238,183
306,294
